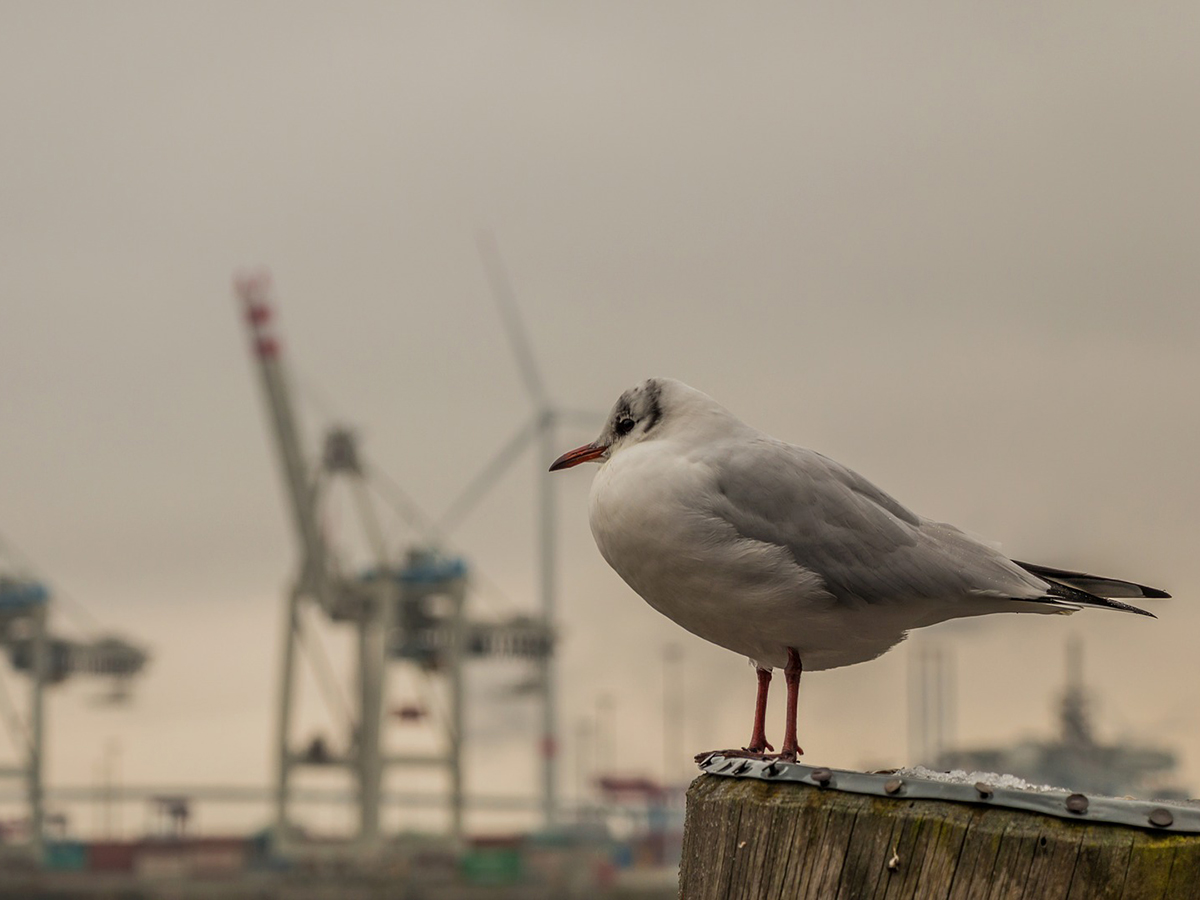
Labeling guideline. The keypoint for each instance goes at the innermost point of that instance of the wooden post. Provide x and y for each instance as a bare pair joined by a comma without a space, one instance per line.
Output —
748,839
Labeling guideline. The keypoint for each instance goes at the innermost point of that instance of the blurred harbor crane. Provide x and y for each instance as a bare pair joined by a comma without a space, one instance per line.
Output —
47,659
409,612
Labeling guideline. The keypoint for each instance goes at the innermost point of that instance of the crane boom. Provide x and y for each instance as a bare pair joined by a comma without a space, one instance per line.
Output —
254,291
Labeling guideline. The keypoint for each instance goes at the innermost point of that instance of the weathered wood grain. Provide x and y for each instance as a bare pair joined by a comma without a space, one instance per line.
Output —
748,839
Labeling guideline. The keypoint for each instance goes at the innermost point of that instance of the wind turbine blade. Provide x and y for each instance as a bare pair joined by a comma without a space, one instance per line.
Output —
510,315
482,483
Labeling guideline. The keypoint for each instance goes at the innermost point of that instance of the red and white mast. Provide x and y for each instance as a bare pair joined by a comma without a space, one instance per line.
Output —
254,290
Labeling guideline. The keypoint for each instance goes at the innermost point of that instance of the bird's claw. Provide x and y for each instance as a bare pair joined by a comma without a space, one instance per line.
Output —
785,755
742,753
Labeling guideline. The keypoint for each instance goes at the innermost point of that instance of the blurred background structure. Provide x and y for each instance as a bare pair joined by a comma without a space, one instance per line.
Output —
410,611
954,249
1076,756
45,658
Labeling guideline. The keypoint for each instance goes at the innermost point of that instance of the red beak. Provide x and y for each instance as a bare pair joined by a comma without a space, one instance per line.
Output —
586,453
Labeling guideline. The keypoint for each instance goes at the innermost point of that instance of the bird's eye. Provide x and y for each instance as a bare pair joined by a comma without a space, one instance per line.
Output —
624,426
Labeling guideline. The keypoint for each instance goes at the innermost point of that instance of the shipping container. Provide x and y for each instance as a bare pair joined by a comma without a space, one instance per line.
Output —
111,856
66,856
492,866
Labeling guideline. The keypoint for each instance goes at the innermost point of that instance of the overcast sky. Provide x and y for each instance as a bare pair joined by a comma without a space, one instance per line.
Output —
952,247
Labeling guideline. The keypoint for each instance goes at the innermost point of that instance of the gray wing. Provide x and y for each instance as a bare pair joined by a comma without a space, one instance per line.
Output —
866,546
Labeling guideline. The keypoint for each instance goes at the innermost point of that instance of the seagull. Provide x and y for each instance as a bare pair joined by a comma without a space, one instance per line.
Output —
784,556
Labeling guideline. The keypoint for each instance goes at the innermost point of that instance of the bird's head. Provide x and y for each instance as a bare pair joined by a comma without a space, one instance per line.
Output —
644,412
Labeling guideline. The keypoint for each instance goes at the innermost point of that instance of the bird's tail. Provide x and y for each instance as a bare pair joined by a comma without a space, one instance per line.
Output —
1081,589
1092,584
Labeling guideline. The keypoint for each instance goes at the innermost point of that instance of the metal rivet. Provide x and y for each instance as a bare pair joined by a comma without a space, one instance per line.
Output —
822,776
893,785
985,790
741,767
1161,817
1077,803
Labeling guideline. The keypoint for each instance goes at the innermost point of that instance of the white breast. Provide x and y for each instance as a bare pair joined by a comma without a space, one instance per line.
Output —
650,516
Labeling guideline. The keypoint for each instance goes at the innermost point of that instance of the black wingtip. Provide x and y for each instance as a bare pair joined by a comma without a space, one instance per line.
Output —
1092,584
1105,603
1086,600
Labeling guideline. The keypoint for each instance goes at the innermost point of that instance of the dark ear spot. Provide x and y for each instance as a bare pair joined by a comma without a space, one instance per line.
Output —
653,404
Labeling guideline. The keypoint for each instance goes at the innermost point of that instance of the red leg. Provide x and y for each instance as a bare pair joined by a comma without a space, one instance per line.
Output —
791,673
758,740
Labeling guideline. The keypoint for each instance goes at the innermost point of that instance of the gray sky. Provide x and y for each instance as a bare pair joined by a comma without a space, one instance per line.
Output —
952,247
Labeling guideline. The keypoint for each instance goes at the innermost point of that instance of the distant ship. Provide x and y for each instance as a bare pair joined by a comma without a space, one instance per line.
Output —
1077,760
